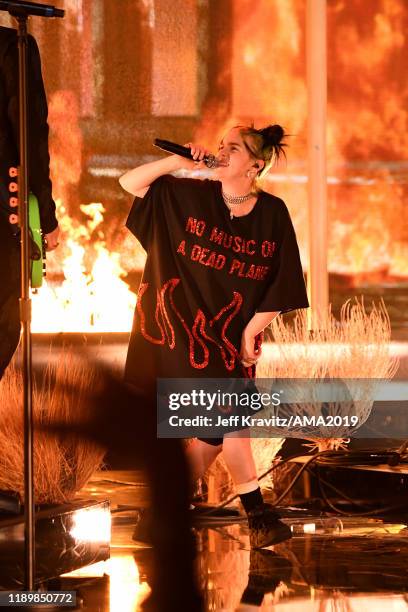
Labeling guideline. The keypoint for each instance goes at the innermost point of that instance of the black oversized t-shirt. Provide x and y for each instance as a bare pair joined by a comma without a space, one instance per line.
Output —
205,277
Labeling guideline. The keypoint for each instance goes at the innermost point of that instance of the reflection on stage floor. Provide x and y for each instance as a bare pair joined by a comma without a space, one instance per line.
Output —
333,563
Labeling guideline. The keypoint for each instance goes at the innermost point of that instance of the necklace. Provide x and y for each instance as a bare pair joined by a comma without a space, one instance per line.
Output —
232,201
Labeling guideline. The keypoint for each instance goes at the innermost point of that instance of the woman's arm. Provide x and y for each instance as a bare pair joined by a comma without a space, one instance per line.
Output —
256,325
138,180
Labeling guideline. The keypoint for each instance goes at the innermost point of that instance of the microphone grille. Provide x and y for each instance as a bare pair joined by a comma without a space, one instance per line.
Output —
211,161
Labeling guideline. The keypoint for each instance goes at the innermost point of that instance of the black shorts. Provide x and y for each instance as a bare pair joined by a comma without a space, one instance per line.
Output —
212,441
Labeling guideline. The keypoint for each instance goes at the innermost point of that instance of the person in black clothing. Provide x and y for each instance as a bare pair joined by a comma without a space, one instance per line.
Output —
39,178
222,263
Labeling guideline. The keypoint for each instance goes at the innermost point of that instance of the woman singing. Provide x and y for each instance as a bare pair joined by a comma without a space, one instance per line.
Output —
222,263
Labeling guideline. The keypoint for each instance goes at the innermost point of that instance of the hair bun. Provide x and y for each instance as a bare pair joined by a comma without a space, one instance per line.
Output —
265,143
272,134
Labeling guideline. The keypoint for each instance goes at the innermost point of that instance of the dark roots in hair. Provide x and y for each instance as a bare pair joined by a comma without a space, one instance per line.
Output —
265,143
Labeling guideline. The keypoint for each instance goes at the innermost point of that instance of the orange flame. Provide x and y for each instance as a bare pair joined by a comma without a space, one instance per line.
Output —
367,122
92,297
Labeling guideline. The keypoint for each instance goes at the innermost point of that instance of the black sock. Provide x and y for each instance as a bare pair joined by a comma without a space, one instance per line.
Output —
251,500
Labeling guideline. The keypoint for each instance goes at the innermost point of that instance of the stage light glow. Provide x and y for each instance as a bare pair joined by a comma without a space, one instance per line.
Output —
126,590
91,525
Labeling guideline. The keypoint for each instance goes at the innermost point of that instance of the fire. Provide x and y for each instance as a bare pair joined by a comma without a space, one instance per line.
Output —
367,121
92,296
259,74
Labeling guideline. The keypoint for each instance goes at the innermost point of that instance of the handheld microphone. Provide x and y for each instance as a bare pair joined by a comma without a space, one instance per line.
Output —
171,147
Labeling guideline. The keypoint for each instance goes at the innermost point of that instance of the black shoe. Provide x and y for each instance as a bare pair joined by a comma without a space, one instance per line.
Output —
266,528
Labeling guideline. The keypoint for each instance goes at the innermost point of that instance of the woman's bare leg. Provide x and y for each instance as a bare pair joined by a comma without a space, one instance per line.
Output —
239,459
200,456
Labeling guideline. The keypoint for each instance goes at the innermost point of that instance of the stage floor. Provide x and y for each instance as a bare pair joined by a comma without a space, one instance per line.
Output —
339,564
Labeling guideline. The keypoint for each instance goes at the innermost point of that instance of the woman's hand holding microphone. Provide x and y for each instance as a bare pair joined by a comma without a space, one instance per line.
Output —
198,152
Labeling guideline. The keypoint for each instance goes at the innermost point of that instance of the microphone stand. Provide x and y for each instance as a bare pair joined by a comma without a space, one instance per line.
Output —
25,310
21,13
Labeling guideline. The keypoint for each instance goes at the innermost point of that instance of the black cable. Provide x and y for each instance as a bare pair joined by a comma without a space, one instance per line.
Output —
292,483
378,512
268,471
229,500
234,497
338,458
362,457
345,497
341,493
271,469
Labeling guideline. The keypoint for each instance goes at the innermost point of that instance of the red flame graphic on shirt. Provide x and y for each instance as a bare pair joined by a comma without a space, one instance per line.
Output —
197,335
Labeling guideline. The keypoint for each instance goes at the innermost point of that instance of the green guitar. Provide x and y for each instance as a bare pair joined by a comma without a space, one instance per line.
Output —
37,251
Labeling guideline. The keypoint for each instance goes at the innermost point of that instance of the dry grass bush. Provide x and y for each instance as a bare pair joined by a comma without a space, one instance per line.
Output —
61,466
357,346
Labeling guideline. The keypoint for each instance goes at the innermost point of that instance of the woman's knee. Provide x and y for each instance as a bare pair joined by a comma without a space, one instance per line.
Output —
214,443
